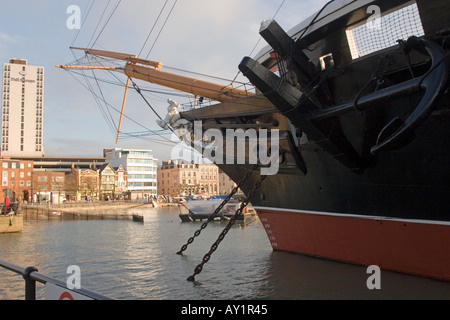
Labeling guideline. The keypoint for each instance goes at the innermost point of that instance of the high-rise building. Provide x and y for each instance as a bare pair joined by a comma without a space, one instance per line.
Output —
22,109
140,166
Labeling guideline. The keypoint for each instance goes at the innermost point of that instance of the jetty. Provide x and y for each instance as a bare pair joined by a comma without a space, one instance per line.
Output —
114,210
10,219
11,223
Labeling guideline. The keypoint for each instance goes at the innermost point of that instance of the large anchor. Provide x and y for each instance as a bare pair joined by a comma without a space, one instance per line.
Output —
303,109
397,133
297,105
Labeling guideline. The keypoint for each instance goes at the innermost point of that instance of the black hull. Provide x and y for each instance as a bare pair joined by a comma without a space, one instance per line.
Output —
411,183
364,144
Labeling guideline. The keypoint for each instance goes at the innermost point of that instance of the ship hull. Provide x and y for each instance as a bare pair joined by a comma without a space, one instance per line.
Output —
364,169
410,183
407,246
394,215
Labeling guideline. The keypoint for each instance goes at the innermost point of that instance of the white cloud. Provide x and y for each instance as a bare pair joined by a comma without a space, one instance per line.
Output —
8,38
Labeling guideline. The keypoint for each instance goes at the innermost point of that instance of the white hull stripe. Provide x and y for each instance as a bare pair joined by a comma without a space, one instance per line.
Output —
347,215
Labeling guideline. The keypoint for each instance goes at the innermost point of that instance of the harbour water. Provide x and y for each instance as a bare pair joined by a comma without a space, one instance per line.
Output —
127,260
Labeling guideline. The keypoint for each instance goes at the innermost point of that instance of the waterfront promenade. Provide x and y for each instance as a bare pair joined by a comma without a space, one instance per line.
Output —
87,210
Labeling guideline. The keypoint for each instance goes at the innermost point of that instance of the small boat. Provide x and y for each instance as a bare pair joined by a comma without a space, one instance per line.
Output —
199,210
138,218
10,219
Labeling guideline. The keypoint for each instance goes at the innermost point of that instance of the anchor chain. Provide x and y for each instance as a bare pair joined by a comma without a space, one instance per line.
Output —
218,209
233,219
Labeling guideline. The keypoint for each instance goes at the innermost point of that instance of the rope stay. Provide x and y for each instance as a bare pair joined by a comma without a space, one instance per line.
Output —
87,86
153,27
164,24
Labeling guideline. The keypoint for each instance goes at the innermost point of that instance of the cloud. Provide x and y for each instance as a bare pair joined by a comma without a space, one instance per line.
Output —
8,46
8,39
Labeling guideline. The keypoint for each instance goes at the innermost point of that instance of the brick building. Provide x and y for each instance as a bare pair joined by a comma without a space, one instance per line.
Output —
16,179
48,186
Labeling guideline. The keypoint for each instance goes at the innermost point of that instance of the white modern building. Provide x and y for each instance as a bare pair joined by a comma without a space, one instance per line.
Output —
141,168
22,109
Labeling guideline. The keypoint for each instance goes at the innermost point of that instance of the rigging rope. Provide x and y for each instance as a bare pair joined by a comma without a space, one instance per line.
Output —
99,20
107,22
111,123
138,90
259,40
164,24
110,120
90,89
151,30
82,24
315,18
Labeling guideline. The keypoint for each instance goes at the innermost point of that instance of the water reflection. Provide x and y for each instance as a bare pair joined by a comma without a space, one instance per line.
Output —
128,260
293,276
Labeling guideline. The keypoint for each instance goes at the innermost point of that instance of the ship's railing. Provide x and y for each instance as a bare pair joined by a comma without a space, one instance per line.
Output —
31,276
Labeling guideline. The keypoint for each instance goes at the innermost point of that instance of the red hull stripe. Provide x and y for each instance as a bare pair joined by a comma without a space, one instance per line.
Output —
408,246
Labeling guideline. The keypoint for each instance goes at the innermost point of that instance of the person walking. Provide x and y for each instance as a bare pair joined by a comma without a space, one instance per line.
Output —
7,203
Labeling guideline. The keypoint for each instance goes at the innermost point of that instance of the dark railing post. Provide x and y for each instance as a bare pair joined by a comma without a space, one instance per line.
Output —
31,279
30,284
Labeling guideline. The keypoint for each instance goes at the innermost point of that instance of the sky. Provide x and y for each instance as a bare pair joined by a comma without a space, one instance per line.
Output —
204,36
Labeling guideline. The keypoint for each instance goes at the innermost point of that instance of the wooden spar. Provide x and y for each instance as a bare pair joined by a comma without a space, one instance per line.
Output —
89,67
120,56
123,108
147,70
194,86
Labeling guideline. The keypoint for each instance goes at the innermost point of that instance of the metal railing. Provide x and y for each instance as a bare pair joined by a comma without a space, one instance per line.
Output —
31,276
